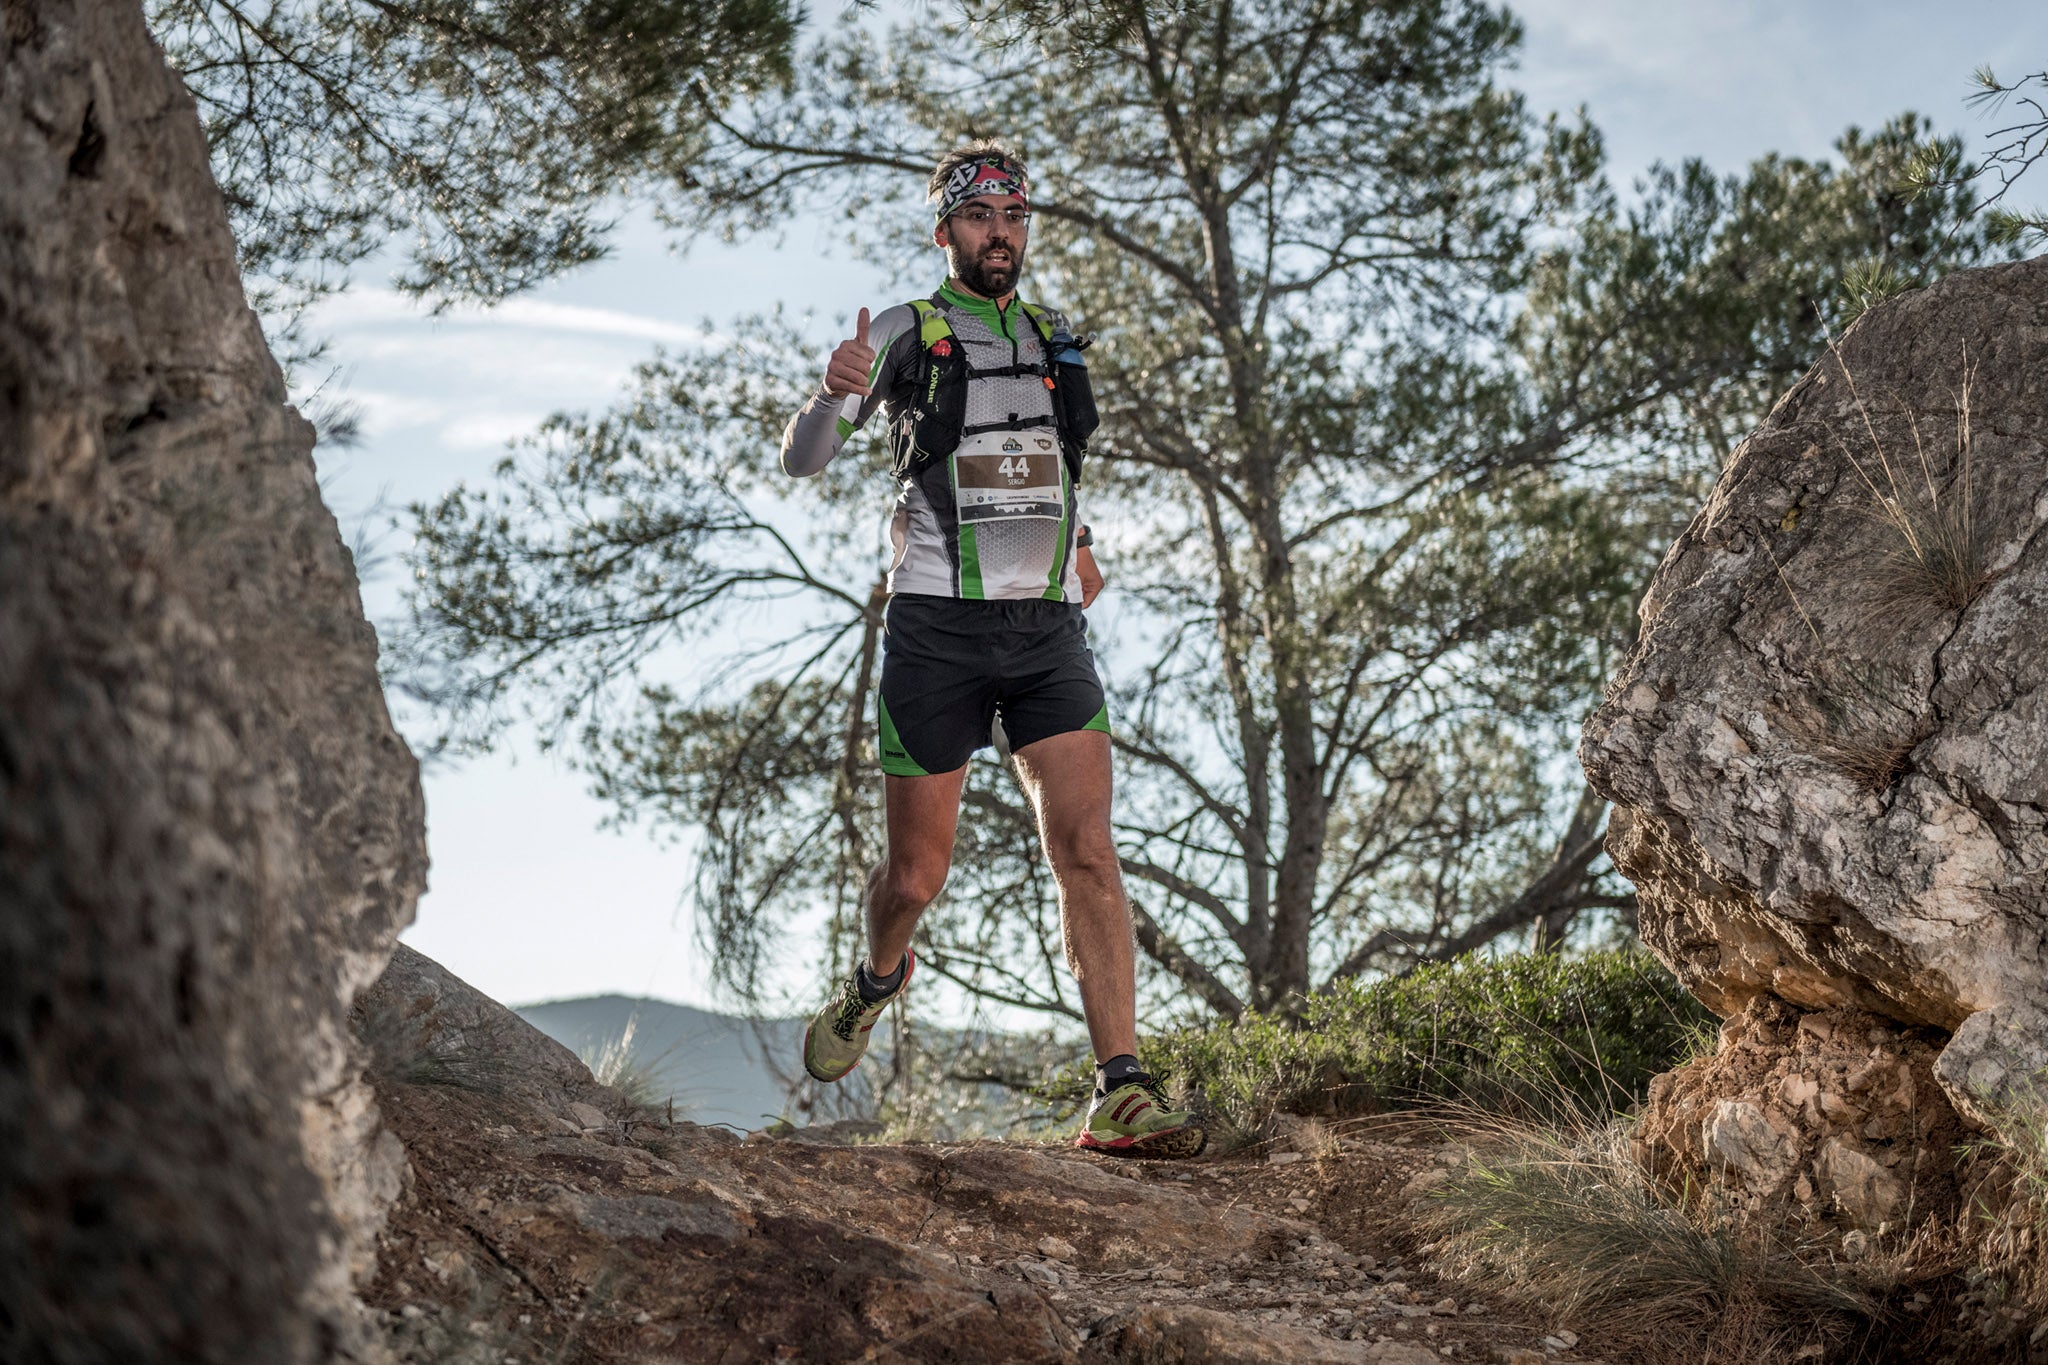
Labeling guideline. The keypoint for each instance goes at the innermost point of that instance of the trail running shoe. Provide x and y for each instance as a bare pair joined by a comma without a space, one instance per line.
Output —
1135,1120
838,1035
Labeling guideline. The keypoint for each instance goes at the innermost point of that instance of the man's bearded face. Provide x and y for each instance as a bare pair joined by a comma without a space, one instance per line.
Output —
988,260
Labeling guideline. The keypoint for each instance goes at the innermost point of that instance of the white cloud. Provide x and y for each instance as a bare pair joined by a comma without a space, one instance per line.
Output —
384,411
554,369
568,317
489,430
370,308
1643,45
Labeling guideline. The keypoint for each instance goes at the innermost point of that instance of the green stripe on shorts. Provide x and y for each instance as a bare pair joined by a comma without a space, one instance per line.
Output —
1101,720
896,761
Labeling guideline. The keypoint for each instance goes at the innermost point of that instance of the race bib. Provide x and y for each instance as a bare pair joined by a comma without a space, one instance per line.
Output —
1005,475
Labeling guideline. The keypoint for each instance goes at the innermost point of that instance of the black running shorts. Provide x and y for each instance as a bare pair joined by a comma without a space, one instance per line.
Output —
950,665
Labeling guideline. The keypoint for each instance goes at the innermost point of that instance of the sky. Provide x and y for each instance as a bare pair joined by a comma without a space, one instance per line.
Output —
528,899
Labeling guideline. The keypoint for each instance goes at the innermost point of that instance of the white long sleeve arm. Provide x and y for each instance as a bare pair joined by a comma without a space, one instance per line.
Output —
820,428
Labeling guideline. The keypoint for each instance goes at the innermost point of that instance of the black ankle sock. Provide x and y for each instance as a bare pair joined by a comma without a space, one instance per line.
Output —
877,988
1115,1072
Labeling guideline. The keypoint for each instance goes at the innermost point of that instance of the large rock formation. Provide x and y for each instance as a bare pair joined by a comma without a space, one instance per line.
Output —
1829,750
209,832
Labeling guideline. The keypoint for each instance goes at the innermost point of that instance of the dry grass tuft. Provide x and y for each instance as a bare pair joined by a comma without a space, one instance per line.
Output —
1868,725
1865,729
1316,1139
1935,561
1939,558
2002,1239
1231,1133
616,1063
1872,762
1563,1218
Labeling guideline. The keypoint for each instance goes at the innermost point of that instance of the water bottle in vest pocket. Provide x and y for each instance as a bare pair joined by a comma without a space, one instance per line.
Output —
1073,397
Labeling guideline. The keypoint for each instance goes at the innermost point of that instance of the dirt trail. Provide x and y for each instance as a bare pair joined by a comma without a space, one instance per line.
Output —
524,1238
547,1219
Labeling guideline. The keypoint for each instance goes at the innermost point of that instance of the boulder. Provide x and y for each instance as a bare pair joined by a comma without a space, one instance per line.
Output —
1750,1142
422,1023
645,1239
1829,747
210,834
648,1239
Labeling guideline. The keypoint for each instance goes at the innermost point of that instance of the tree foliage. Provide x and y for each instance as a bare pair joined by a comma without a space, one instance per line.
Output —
495,135
1400,402
2019,143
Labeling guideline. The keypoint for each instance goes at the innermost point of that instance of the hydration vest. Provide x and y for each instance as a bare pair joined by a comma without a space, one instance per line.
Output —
934,421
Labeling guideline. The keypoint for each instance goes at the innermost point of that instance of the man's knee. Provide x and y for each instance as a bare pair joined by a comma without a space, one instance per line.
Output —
1085,853
911,881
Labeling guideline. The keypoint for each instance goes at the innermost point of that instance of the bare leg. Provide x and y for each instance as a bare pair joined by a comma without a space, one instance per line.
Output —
922,814
1067,778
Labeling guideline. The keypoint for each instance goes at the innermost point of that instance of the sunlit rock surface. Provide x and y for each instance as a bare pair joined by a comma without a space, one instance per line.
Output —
549,1217
1829,751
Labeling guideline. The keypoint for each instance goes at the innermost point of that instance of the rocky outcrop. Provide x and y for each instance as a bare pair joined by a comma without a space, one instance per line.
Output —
1829,749
1833,1117
209,832
632,1238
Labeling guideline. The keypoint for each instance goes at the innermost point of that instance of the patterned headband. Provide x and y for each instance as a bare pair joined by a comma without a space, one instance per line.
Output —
991,174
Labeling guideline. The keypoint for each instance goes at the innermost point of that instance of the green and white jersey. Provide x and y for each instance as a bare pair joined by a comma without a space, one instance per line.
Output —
995,519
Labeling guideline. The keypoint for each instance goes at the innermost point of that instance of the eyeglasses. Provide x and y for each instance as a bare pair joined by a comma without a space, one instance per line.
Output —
981,215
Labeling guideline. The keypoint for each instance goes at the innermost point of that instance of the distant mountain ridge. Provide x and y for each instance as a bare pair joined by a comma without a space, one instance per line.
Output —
720,1068
747,1073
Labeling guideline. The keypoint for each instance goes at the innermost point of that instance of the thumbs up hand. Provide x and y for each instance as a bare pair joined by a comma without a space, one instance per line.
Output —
851,363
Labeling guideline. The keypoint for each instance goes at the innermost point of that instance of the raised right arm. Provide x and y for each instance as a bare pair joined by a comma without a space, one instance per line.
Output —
828,417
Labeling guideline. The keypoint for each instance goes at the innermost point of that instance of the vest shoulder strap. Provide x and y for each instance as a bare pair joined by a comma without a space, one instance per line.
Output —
1041,318
932,326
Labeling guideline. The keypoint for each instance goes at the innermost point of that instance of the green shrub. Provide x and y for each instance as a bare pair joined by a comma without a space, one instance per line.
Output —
1533,1033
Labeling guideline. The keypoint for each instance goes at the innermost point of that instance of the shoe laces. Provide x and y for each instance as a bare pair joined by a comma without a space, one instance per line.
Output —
851,1008
1145,1082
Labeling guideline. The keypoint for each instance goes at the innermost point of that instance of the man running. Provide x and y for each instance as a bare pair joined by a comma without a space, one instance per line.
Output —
988,411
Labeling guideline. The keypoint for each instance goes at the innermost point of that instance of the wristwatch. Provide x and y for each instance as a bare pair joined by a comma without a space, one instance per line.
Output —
1084,539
